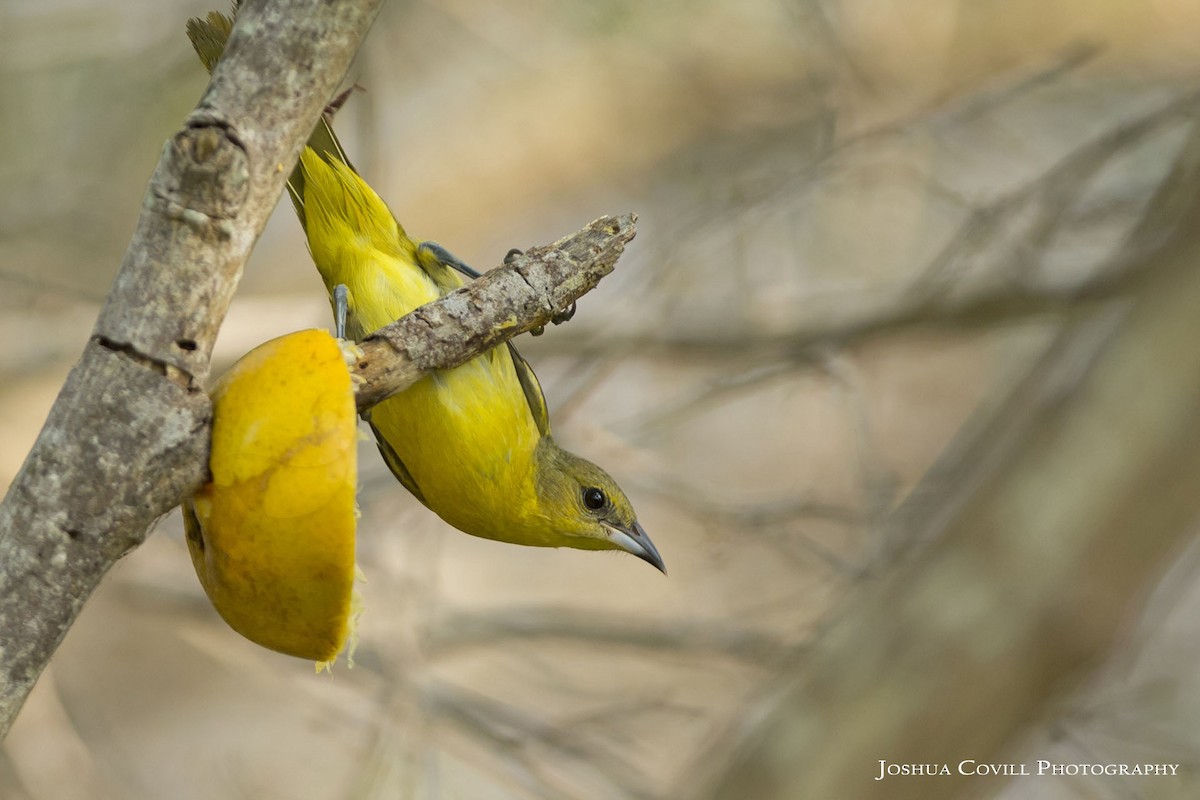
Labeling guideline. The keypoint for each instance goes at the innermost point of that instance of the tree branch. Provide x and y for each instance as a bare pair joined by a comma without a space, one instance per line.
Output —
505,302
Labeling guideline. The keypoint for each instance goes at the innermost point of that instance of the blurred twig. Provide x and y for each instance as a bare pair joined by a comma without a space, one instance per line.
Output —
655,421
461,631
1061,510
1040,208
519,735
940,115
944,295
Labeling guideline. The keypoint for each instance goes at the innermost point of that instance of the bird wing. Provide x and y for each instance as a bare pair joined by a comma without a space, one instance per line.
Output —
532,389
395,464
533,397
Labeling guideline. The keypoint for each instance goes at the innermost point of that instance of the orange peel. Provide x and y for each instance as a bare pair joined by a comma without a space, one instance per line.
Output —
272,535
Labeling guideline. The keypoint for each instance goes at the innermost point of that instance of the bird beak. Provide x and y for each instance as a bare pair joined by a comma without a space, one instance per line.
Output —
634,540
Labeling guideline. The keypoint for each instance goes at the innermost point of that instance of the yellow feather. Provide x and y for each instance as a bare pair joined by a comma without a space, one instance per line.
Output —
467,441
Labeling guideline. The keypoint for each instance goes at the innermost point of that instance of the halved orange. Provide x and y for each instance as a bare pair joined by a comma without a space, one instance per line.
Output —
272,536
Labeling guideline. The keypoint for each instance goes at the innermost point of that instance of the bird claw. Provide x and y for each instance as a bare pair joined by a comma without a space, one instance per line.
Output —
558,319
564,315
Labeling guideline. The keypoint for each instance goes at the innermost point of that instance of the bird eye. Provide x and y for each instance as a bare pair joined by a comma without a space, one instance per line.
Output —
594,499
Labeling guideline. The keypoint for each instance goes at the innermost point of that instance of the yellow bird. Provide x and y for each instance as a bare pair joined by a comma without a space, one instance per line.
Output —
472,443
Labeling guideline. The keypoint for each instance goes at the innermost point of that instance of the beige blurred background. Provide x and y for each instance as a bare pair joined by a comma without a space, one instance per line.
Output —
762,373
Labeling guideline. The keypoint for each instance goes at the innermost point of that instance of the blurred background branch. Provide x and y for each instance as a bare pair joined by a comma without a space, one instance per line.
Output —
1039,537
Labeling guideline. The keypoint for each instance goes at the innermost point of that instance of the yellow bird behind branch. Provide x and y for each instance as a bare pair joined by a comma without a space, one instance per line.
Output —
472,443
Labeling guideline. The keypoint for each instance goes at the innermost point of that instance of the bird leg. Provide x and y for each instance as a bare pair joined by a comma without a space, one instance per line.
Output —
340,304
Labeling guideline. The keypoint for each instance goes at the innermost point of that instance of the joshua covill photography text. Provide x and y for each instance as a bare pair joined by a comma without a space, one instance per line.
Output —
889,769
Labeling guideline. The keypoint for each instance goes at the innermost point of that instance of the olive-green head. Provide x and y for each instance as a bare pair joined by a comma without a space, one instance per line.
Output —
585,509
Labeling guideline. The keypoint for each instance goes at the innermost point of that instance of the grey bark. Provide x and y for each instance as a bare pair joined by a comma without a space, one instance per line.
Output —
488,311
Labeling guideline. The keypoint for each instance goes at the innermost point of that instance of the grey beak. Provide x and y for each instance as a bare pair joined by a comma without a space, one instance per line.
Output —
635,541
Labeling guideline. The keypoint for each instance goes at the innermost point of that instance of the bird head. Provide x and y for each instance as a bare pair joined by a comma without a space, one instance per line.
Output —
585,508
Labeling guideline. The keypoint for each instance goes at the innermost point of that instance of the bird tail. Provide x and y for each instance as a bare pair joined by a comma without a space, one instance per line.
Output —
343,211
209,37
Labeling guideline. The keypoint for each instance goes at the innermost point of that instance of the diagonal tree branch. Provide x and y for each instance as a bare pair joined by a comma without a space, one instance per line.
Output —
523,295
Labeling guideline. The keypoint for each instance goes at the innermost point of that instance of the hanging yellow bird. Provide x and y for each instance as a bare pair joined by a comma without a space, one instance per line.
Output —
472,443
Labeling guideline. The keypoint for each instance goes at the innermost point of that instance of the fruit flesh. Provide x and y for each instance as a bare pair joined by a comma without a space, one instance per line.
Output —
272,535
